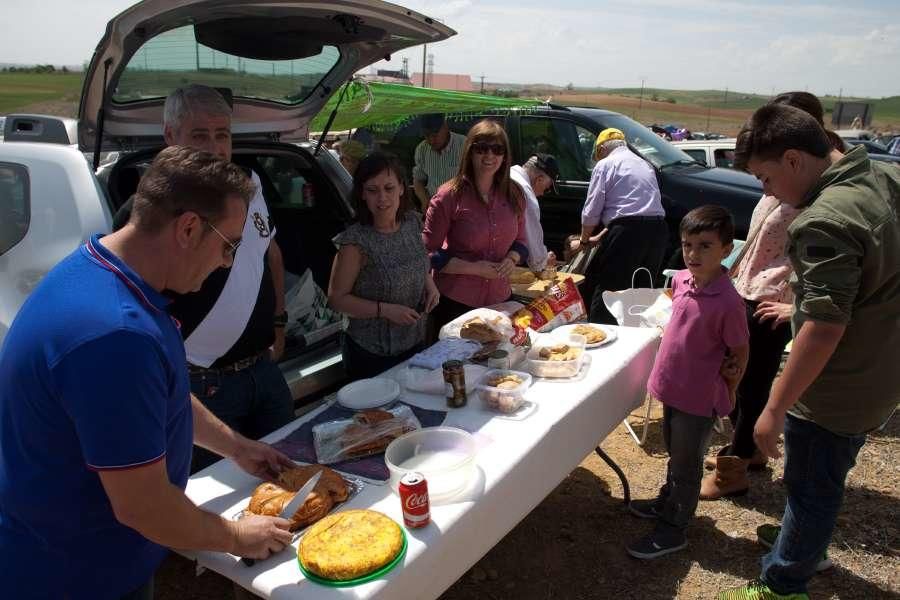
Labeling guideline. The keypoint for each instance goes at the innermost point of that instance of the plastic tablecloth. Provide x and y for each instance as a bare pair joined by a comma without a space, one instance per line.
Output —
520,461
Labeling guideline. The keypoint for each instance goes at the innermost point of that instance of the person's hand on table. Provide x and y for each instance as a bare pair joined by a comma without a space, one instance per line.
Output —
779,312
551,259
505,267
486,269
769,427
399,314
258,537
259,459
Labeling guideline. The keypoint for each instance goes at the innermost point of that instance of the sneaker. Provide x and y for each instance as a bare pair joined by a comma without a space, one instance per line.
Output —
767,534
645,509
757,590
658,543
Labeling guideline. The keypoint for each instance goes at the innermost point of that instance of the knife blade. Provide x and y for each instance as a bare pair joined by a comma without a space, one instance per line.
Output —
296,502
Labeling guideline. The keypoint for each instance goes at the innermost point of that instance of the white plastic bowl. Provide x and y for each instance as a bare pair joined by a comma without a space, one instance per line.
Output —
444,455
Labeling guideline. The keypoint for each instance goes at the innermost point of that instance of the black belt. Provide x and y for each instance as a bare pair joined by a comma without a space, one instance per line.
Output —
633,219
238,365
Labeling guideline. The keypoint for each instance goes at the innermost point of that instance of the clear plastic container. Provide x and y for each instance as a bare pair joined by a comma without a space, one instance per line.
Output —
444,455
541,367
503,399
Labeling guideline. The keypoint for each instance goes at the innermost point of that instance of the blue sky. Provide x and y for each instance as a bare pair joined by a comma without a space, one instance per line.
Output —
746,45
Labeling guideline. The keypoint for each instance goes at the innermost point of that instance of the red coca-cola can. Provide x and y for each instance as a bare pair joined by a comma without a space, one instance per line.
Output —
414,499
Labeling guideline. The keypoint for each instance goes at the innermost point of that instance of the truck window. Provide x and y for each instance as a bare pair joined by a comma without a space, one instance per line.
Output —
15,209
561,138
698,154
724,158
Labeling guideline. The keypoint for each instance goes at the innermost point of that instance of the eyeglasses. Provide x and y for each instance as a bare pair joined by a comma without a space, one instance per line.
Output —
483,148
232,247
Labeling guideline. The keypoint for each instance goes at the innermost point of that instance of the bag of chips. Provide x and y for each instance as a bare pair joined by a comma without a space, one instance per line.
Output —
560,305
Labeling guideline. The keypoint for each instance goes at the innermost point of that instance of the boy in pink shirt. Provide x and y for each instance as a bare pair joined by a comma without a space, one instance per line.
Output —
708,323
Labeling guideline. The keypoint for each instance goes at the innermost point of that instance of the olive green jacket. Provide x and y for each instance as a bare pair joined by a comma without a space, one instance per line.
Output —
845,249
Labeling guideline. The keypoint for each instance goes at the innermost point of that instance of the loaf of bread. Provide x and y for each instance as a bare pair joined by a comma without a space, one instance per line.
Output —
477,329
270,498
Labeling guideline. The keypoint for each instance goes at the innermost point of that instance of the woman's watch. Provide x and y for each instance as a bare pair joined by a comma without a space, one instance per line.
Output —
280,320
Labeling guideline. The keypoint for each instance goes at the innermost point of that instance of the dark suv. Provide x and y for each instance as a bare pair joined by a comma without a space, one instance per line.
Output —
569,133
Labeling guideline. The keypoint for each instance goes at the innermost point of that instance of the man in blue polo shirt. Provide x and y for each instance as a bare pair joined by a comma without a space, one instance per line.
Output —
96,418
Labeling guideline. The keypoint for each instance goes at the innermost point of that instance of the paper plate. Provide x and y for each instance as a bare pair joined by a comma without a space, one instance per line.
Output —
368,393
365,578
611,333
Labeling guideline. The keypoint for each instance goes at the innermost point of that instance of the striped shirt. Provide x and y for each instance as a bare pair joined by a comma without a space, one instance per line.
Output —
436,168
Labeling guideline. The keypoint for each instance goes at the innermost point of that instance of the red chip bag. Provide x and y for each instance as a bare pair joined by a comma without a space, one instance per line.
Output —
561,304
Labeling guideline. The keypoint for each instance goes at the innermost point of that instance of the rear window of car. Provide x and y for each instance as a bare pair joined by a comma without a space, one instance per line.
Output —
175,58
15,209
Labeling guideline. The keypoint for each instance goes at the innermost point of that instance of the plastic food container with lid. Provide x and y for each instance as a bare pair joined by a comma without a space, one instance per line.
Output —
504,399
444,455
542,367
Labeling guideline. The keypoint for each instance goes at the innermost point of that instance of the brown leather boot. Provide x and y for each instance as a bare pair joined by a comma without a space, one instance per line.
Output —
729,479
759,461
709,462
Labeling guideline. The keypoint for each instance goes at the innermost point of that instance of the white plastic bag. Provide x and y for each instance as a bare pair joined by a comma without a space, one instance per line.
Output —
496,321
628,306
432,381
307,309
658,313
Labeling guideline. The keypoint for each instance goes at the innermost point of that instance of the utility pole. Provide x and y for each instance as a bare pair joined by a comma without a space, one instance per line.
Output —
424,56
726,95
840,94
197,53
641,99
708,111
482,83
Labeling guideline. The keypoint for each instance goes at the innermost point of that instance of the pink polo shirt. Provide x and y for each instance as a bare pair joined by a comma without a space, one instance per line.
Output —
465,227
704,323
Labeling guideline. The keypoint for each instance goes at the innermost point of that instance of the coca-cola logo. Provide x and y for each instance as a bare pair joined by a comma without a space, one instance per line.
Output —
415,501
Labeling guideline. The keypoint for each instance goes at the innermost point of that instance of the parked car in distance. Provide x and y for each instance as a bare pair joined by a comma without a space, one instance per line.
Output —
58,202
569,133
710,152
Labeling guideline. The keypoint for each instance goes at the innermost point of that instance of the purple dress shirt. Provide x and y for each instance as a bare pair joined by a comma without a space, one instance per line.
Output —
622,185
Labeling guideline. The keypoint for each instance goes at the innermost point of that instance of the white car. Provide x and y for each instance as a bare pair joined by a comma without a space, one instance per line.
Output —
712,153
277,61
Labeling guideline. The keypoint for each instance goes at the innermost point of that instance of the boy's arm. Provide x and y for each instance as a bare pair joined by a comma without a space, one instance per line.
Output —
734,367
814,344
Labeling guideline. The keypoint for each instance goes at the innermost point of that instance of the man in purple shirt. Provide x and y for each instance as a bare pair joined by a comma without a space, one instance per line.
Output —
623,202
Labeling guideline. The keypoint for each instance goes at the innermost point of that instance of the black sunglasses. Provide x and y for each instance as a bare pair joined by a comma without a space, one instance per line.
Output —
483,147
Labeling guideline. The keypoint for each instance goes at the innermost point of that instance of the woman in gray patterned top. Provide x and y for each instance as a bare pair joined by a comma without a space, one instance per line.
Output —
380,277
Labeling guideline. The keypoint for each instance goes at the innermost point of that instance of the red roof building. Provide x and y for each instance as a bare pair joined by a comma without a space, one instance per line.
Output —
444,81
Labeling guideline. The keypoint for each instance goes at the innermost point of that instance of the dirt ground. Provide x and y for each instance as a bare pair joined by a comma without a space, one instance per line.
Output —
571,546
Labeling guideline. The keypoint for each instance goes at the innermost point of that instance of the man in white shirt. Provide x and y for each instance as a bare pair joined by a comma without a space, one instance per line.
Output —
535,177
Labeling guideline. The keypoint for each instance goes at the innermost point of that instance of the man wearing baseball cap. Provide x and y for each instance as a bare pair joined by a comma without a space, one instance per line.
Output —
436,158
623,203
536,176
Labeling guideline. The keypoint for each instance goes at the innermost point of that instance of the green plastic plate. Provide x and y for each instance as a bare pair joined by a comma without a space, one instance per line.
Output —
359,580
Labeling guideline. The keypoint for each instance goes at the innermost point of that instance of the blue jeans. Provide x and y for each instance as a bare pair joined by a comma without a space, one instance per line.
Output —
254,402
815,469
687,440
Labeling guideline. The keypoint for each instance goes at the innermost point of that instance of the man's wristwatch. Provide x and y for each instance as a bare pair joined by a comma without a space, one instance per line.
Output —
280,320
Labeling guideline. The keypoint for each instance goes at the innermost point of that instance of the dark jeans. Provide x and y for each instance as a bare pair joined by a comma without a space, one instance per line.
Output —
766,347
687,439
815,469
145,592
629,243
359,363
254,402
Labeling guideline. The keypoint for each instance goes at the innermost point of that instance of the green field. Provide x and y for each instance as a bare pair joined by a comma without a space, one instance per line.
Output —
20,90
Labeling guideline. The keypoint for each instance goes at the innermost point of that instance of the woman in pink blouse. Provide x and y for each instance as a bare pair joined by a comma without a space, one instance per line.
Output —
762,273
475,226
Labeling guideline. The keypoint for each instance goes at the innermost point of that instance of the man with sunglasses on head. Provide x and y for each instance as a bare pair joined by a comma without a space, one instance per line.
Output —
96,415
436,157
233,326
624,204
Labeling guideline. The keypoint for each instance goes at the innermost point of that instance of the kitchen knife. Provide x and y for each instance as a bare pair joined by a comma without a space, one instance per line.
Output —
296,502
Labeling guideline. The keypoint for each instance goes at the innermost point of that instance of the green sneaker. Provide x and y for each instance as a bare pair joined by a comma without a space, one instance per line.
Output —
767,534
757,590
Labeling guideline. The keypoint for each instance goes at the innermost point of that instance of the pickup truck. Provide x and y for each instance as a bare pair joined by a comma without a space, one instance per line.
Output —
279,62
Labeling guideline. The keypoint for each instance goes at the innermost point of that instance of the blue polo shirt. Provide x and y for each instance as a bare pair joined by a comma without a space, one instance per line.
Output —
92,378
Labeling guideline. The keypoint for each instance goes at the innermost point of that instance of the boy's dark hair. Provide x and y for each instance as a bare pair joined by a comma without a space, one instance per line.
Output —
805,101
183,179
709,218
371,166
776,128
